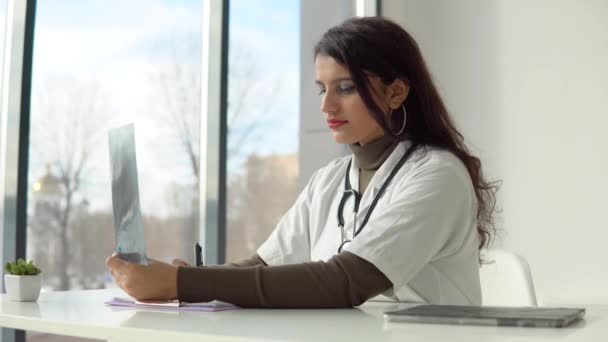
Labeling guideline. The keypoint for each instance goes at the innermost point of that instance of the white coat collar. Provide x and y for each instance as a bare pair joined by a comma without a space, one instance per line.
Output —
379,177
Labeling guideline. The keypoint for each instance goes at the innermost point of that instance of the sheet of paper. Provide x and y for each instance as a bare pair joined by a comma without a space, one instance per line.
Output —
128,224
172,305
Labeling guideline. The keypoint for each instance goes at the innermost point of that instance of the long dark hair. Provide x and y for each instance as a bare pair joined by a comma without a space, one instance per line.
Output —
377,46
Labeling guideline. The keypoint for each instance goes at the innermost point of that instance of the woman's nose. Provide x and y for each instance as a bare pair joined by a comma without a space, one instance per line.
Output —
328,104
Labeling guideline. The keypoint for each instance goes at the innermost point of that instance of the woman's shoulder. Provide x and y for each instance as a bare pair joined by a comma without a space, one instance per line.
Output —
434,170
330,172
335,164
333,167
436,157
438,164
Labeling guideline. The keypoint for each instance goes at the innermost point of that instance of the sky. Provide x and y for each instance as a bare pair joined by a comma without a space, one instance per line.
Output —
118,47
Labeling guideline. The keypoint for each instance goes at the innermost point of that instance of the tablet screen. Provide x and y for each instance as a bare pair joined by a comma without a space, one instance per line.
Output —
516,316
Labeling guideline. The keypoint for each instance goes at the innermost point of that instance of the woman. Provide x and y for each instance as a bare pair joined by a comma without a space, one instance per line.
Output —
405,216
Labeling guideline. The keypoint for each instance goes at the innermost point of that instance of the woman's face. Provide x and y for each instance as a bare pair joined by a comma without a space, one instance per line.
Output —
346,115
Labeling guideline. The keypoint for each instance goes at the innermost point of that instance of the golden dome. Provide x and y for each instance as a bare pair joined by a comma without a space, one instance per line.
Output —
48,184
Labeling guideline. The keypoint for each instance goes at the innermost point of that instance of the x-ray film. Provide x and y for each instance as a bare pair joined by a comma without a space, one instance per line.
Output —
128,225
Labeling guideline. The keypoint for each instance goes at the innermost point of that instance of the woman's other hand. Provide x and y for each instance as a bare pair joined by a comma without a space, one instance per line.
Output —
157,280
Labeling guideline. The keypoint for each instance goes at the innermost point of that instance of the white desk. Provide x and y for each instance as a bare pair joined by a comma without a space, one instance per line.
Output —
82,313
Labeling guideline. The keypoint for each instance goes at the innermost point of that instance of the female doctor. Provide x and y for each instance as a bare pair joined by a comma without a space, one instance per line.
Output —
404,216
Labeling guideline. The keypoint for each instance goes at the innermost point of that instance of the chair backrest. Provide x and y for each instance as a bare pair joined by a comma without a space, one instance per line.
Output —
506,280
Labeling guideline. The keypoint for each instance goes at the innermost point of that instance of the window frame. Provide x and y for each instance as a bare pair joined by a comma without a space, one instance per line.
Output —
214,105
14,133
15,113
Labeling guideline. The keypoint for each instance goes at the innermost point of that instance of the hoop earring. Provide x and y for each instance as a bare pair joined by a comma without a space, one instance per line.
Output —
404,120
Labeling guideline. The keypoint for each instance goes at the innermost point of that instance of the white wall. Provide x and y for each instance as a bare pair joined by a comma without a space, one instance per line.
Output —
317,146
527,82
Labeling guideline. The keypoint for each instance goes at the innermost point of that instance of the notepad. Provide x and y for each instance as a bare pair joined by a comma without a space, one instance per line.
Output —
171,305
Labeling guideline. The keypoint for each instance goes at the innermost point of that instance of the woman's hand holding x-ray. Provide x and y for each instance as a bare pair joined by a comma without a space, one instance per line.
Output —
157,280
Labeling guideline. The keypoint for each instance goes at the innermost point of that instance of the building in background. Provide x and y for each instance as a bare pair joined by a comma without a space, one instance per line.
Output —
257,200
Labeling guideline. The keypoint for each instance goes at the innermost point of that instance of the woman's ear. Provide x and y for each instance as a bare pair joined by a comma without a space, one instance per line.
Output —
397,92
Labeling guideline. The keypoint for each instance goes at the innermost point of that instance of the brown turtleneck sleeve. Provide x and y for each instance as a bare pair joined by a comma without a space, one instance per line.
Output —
346,280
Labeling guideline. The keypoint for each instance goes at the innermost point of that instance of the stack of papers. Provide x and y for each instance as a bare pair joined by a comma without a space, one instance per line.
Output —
171,304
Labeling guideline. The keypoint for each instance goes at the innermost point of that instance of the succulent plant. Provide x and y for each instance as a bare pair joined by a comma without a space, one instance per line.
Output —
20,267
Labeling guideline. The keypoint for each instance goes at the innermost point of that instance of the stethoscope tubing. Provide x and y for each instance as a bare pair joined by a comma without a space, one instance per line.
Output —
349,191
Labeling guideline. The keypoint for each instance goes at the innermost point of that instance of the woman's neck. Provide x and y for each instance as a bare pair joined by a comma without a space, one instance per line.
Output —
373,154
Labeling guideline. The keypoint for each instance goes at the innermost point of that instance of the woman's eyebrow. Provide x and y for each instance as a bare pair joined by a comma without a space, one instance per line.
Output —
336,80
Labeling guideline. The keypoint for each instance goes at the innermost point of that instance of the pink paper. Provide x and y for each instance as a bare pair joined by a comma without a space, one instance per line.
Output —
183,306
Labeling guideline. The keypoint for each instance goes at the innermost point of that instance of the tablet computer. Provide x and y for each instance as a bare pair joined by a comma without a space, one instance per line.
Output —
488,315
128,224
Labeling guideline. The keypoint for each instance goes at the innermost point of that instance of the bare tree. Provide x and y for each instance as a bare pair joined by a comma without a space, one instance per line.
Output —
251,98
179,84
179,87
245,112
179,81
64,137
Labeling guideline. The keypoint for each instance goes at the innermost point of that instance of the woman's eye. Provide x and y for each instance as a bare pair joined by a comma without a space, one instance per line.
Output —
347,89
321,91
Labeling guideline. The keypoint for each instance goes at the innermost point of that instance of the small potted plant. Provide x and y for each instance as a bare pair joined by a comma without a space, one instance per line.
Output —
22,281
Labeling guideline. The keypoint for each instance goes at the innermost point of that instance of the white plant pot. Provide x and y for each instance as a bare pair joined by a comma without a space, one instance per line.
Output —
23,288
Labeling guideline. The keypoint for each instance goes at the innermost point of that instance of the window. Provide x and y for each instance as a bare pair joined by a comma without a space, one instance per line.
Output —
3,8
97,66
263,120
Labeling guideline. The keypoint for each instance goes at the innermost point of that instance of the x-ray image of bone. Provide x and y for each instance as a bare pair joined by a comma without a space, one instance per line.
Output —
128,224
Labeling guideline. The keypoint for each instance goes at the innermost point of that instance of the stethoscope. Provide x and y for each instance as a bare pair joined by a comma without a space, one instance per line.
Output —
349,191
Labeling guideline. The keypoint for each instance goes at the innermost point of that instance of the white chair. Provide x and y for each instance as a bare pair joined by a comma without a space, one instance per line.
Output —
506,280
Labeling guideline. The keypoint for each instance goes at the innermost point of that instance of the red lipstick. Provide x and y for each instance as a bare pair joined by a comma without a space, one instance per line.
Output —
333,123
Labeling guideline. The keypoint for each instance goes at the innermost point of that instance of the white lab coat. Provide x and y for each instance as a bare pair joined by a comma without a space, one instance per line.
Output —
422,234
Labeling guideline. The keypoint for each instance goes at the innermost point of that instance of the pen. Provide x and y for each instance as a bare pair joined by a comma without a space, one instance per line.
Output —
198,252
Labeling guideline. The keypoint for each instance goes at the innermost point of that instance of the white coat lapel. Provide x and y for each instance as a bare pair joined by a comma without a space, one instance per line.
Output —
380,177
